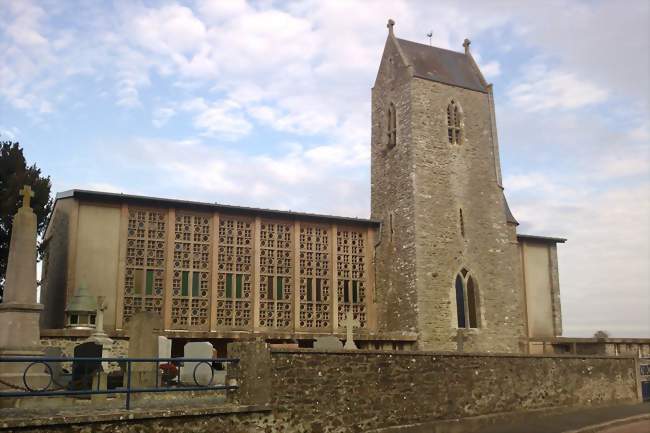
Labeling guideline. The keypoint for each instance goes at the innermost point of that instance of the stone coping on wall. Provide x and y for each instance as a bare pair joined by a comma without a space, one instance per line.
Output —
238,335
590,340
15,418
443,354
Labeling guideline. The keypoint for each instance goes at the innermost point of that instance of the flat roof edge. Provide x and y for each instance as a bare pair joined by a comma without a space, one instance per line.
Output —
169,202
547,239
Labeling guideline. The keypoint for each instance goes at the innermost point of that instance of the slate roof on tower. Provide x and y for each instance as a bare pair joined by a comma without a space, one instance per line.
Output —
443,66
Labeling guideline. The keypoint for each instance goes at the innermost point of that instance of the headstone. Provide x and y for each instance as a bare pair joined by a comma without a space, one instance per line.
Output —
143,329
350,322
328,342
19,311
83,371
197,373
60,378
164,347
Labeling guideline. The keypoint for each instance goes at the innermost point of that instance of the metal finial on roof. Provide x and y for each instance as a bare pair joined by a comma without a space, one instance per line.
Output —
466,44
430,36
390,25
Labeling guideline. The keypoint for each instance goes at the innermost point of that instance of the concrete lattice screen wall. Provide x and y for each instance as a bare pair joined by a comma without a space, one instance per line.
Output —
358,391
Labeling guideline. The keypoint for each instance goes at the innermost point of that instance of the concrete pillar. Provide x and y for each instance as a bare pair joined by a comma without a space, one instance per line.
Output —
252,373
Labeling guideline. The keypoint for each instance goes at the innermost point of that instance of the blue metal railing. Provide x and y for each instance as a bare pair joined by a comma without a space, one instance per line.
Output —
52,388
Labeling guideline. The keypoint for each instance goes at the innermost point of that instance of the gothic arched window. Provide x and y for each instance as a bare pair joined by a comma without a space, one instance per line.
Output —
466,300
391,130
454,114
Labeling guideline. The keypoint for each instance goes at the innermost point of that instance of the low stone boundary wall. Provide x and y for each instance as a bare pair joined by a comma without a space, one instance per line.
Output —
306,390
356,391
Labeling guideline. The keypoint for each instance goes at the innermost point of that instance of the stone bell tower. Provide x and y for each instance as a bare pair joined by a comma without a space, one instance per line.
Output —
447,264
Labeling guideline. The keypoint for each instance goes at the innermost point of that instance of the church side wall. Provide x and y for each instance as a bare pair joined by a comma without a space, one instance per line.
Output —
55,265
537,263
241,272
392,197
97,253
450,178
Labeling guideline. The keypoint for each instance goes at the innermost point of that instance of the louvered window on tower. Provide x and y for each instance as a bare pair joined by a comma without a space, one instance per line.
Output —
392,126
453,123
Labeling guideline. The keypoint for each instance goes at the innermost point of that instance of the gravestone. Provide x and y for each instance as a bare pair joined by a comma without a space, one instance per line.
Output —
164,347
60,378
328,342
83,371
197,373
143,329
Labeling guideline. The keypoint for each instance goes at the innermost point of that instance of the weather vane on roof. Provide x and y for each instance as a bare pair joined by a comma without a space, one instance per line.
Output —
430,35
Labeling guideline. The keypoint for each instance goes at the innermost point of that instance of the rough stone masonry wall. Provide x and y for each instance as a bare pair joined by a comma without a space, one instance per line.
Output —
450,177
392,197
357,391
67,344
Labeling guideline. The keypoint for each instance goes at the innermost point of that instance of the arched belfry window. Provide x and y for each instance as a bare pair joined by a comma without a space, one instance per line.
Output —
454,130
466,300
391,130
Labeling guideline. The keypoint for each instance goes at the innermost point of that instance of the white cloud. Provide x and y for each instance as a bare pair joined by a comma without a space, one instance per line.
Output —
491,69
221,118
294,180
543,89
162,115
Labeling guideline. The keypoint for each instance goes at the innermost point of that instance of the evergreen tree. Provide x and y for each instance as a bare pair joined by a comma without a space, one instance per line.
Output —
14,173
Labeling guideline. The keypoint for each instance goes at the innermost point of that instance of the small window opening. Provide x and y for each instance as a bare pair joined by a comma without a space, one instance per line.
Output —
453,123
462,222
391,131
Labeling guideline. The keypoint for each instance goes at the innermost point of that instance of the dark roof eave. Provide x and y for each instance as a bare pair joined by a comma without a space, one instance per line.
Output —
546,239
167,202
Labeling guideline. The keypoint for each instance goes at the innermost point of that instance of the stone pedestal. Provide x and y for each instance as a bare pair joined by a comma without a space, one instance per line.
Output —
19,311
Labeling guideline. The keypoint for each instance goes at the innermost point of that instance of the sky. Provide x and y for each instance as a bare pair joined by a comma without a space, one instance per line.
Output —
267,104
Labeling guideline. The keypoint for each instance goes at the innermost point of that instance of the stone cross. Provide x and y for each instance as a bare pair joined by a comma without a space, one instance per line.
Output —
349,323
27,194
466,44
99,320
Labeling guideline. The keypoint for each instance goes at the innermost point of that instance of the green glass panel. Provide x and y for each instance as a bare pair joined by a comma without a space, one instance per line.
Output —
279,288
269,287
238,288
185,282
346,291
309,289
195,284
149,289
319,296
228,285
355,292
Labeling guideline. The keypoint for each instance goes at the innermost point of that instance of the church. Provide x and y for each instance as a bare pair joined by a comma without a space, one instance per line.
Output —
439,264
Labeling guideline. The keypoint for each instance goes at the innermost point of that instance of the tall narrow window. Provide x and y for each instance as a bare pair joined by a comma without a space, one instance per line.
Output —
391,131
453,123
467,310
